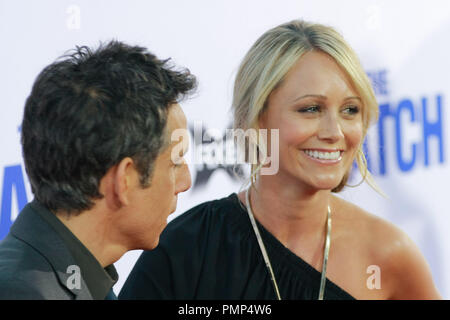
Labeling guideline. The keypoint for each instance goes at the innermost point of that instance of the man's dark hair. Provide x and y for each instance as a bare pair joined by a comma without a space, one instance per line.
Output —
89,110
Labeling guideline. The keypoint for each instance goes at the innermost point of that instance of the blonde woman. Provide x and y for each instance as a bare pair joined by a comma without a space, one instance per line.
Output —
288,236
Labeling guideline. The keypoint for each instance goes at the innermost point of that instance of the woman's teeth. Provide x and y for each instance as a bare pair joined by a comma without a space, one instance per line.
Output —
323,155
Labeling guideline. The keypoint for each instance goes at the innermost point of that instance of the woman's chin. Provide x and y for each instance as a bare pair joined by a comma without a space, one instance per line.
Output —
326,184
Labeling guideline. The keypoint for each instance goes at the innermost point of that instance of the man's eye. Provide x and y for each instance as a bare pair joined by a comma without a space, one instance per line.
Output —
310,109
179,163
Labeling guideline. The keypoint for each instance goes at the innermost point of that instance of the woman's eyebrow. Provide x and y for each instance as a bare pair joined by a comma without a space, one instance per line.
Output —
322,97
353,98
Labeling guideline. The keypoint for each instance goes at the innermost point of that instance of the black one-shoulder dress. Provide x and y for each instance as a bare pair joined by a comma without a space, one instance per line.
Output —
211,252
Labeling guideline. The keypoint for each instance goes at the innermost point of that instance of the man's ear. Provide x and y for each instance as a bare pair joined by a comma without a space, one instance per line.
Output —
123,180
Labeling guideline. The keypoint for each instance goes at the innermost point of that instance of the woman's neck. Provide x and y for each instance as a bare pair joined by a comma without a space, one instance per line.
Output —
292,213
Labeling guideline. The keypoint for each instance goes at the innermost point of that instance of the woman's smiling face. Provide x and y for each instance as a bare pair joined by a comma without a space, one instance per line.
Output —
319,117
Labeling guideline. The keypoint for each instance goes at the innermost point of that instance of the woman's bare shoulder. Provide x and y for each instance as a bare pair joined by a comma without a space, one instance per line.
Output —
367,226
381,243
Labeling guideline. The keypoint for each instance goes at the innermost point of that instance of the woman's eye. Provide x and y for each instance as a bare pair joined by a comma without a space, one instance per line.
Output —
351,110
310,109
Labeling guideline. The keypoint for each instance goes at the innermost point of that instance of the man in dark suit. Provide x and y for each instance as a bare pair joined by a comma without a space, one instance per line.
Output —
98,150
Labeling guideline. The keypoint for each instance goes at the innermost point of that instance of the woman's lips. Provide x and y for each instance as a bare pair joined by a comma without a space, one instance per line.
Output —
324,156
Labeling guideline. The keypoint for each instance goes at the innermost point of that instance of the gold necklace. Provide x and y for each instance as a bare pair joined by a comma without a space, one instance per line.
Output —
266,257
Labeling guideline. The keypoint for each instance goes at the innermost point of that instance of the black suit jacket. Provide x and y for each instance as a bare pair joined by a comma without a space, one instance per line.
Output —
36,264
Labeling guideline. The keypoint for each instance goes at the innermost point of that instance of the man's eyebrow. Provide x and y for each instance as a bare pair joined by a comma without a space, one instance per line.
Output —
185,150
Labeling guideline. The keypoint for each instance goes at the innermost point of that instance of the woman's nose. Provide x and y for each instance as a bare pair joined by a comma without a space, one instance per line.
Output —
330,128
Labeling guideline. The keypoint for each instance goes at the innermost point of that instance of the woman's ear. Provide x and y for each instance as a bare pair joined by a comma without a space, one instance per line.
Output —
262,119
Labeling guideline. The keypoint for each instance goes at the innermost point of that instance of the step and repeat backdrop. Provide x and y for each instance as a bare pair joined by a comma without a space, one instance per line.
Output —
403,46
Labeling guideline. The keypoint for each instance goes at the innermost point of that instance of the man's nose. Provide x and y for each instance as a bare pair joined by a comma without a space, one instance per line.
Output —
184,182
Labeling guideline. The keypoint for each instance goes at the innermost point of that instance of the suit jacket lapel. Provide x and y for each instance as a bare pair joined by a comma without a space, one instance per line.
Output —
35,231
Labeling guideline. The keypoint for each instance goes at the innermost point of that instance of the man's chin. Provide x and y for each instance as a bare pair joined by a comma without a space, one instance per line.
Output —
171,212
152,245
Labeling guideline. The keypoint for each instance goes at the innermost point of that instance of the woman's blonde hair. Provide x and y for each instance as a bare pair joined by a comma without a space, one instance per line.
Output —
273,55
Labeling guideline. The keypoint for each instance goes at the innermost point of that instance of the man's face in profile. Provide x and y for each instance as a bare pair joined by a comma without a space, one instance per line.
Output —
150,207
